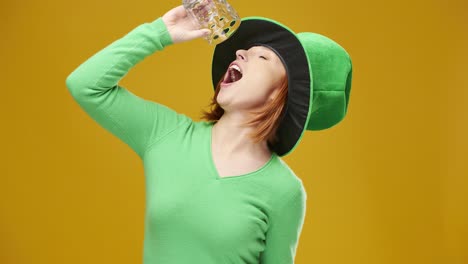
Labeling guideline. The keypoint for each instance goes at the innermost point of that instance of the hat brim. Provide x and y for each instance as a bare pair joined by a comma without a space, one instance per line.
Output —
255,31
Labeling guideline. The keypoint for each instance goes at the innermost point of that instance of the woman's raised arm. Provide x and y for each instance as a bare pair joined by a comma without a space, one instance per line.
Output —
94,84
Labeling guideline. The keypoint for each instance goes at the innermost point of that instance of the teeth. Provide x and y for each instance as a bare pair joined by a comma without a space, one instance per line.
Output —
231,73
236,68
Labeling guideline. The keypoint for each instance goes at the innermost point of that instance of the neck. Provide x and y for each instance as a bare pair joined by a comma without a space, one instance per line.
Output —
231,139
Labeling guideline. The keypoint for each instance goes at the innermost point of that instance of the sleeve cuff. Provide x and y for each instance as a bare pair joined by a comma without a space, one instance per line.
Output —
160,27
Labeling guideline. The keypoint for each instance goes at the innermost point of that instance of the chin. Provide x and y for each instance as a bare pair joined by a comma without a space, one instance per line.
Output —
227,104
222,101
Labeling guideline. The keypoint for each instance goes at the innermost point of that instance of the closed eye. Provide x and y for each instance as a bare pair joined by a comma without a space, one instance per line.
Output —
263,57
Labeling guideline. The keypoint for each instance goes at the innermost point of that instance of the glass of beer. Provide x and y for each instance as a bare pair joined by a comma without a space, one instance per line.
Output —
216,15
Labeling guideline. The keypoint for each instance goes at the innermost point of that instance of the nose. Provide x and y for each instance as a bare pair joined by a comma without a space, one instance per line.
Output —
241,54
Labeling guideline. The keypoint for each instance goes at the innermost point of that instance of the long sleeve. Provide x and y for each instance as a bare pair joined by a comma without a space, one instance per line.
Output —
94,86
285,227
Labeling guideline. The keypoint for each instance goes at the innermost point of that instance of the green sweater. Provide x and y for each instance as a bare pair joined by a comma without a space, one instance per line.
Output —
192,214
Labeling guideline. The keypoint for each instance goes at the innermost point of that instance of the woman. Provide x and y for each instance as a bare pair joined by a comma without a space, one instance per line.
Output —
217,191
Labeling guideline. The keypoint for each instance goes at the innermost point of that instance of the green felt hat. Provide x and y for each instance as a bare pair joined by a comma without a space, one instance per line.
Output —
319,75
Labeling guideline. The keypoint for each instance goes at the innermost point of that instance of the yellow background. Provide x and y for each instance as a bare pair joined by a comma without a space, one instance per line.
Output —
386,185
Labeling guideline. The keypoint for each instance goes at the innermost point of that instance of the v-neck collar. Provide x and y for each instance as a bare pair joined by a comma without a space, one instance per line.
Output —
213,166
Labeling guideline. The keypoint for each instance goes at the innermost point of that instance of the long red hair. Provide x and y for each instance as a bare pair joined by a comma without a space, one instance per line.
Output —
265,121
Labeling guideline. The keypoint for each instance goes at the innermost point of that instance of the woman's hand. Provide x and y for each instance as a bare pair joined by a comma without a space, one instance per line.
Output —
181,27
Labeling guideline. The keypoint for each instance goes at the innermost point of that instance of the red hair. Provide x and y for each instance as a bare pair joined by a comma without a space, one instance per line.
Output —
265,121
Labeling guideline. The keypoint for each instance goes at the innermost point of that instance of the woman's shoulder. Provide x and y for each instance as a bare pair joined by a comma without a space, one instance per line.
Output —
286,191
285,180
287,173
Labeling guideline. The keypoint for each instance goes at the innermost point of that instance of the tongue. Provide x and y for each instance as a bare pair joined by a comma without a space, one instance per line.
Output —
235,75
238,75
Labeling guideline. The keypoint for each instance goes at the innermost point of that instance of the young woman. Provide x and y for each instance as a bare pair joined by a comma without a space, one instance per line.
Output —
217,190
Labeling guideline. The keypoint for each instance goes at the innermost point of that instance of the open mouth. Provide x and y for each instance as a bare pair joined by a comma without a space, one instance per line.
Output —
233,75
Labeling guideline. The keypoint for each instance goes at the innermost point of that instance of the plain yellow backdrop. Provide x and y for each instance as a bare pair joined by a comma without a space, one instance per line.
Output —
386,185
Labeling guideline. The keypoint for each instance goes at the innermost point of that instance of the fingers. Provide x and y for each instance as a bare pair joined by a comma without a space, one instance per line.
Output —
205,32
199,33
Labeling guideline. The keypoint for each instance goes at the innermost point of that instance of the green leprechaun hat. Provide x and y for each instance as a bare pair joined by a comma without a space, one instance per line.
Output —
319,75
